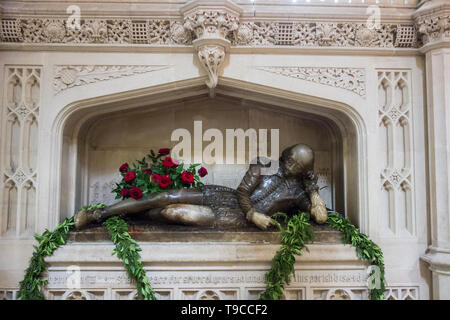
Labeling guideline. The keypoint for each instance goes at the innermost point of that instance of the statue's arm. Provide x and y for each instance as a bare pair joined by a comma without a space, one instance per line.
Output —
245,189
310,182
318,209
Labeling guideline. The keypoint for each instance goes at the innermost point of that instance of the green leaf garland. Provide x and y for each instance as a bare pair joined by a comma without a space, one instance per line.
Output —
294,237
30,288
298,232
366,249
128,251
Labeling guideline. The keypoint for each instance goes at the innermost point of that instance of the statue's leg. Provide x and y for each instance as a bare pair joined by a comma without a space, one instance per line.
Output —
154,200
131,206
188,214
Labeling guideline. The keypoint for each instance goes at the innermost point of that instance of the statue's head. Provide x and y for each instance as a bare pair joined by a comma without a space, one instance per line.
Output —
297,160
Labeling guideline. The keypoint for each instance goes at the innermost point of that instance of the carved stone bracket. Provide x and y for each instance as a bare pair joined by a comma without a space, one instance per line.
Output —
210,23
211,56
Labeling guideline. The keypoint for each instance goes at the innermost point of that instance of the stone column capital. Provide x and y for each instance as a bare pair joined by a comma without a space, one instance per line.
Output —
432,21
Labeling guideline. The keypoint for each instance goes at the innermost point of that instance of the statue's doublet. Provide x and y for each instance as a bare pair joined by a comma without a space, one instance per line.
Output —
274,193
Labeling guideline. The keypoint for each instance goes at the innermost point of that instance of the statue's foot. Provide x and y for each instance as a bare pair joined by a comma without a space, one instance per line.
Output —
83,218
318,209
319,214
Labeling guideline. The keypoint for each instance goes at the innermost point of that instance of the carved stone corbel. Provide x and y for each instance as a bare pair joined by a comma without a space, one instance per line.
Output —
210,24
211,56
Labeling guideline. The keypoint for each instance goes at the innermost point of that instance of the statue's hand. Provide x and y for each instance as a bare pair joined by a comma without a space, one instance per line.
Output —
310,182
260,220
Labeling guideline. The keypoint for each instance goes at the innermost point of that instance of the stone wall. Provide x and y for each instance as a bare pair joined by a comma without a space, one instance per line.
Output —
378,97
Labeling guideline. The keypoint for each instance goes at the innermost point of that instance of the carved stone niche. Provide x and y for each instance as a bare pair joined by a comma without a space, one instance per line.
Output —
210,24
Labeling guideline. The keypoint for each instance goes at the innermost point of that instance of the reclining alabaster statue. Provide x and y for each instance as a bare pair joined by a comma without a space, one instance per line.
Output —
293,188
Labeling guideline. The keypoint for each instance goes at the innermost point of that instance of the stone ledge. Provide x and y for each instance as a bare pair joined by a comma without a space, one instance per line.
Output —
202,248
201,254
176,233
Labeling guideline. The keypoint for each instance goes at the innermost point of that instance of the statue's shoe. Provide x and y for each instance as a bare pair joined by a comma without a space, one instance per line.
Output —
319,214
318,210
85,217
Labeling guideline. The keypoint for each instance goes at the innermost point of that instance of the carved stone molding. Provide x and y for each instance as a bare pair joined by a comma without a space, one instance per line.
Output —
179,34
351,79
68,76
211,23
207,24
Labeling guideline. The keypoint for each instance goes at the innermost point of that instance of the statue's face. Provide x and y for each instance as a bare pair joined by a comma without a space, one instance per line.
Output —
291,167
297,160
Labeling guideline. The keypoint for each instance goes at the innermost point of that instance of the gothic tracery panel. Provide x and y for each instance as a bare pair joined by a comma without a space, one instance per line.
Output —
19,147
340,294
402,293
395,146
8,294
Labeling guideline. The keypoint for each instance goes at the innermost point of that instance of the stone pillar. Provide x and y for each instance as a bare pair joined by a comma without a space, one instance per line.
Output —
433,25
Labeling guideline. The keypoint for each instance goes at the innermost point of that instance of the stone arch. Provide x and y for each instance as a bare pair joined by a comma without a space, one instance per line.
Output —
79,115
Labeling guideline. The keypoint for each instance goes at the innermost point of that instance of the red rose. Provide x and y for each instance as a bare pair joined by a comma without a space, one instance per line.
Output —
164,151
165,181
130,176
156,177
169,162
147,171
187,177
202,172
124,167
125,192
136,193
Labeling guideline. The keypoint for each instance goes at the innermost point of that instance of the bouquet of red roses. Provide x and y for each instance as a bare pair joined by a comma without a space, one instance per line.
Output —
161,173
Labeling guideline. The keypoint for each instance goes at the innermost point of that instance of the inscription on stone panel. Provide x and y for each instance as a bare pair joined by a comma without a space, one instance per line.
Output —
330,277
58,279
101,192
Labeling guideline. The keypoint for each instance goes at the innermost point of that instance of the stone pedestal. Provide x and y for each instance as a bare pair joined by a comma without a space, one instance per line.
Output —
203,265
